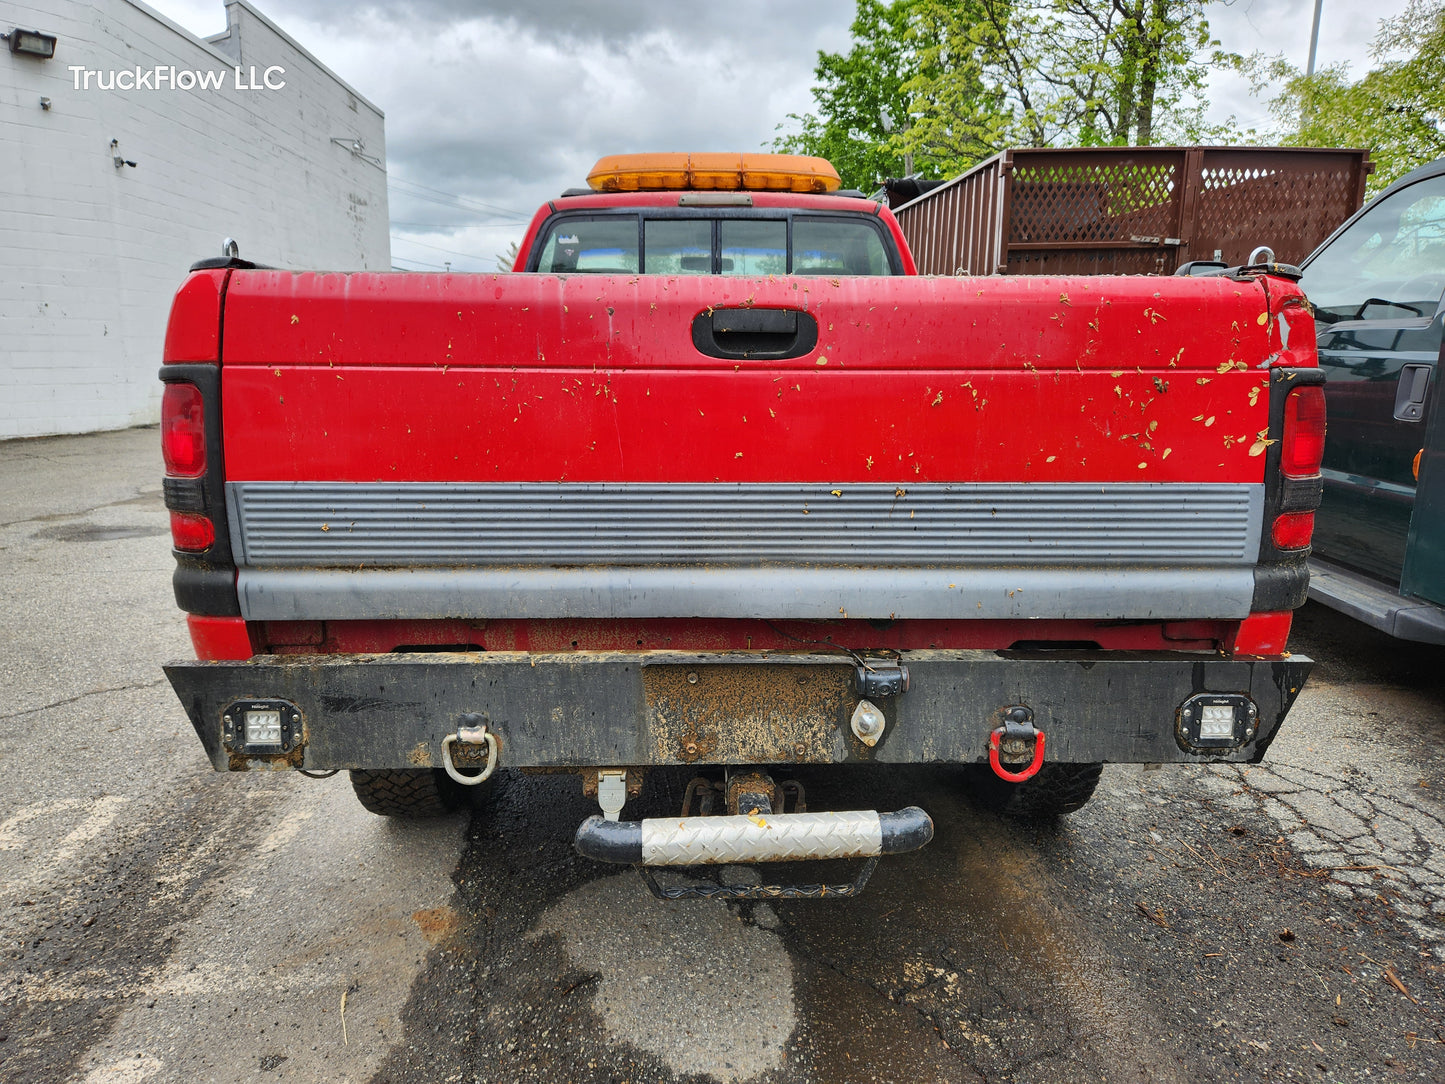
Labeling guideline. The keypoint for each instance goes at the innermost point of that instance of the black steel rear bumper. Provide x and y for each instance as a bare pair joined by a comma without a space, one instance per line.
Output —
584,709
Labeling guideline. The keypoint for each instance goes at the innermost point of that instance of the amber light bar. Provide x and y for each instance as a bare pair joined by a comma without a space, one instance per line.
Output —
680,172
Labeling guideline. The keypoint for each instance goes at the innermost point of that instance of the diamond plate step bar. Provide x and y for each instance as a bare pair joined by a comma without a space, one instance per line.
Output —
746,840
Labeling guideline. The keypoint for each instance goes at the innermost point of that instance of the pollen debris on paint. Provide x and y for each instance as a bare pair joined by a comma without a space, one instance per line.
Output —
1203,380
1166,453
1262,319
1051,458
1253,396
1208,421
835,492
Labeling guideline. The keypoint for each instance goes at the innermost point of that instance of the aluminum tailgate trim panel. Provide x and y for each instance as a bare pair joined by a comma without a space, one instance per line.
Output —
437,524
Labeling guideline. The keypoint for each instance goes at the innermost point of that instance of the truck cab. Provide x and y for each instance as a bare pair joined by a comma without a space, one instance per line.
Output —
723,214
1376,286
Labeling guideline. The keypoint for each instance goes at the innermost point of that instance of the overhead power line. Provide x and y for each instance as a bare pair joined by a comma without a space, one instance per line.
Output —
437,248
418,263
428,226
461,201
453,225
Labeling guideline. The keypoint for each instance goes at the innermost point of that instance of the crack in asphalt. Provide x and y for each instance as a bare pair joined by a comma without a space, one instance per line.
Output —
84,696
141,496
1352,835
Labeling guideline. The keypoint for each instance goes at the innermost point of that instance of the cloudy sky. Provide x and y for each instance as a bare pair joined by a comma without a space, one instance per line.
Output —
494,107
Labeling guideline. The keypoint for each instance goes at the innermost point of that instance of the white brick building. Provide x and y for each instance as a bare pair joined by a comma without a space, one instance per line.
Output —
91,252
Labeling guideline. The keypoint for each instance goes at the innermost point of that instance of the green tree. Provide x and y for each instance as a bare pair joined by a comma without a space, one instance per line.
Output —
1070,72
967,78
959,108
859,96
1395,110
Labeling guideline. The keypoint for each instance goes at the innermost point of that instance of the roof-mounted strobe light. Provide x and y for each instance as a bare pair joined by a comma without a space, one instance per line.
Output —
679,172
31,43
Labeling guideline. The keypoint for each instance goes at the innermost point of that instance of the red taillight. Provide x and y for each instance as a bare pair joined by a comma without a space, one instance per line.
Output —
192,532
1303,446
1263,634
183,430
1292,530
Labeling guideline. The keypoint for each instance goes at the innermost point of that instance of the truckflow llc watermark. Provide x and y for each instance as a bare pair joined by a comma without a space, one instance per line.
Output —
162,77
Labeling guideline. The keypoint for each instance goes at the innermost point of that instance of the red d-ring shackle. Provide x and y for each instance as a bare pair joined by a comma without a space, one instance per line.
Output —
1018,721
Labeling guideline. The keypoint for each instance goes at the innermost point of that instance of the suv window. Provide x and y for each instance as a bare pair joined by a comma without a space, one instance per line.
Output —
669,243
1390,265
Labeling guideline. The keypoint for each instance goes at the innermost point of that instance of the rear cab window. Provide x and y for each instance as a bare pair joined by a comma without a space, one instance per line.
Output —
666,242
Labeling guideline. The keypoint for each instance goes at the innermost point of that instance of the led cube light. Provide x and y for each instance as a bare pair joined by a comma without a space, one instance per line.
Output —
1216,722
263,727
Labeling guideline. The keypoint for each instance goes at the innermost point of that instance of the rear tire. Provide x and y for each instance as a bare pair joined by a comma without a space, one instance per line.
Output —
1056,790
407,792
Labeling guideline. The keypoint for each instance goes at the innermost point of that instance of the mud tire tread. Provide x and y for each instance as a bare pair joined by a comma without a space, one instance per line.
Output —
409,793
1057,790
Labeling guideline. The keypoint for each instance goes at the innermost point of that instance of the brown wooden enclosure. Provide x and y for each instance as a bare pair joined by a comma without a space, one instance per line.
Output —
1132,210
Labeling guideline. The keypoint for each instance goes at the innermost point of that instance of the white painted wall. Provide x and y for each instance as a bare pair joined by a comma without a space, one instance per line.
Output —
90,255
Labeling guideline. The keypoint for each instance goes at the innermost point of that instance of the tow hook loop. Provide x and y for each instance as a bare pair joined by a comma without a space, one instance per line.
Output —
1012,740
471,730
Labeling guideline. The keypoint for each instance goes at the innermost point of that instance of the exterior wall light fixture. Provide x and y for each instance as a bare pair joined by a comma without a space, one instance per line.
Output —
31,43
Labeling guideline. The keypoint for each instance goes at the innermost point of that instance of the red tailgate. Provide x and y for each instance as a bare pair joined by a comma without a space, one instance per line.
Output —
403,377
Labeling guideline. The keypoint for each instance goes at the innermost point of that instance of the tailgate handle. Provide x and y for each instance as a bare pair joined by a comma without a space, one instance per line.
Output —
769,334
1410,395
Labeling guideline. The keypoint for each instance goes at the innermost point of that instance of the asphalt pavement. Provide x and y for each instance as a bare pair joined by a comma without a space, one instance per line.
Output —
161,922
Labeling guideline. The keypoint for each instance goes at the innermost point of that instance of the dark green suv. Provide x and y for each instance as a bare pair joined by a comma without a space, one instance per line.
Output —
1377,286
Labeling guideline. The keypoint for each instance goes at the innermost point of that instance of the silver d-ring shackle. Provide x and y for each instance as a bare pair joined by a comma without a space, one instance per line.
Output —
470,735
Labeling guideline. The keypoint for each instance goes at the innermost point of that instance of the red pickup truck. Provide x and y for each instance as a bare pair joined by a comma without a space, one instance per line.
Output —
718,482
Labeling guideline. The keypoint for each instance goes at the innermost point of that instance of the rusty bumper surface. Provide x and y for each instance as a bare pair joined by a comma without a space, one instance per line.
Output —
662,708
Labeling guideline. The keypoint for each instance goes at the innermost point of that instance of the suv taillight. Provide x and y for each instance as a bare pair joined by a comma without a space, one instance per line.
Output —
1303,446
183,430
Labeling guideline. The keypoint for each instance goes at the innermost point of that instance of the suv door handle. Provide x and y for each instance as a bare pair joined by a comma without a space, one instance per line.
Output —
1410,397
768,334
